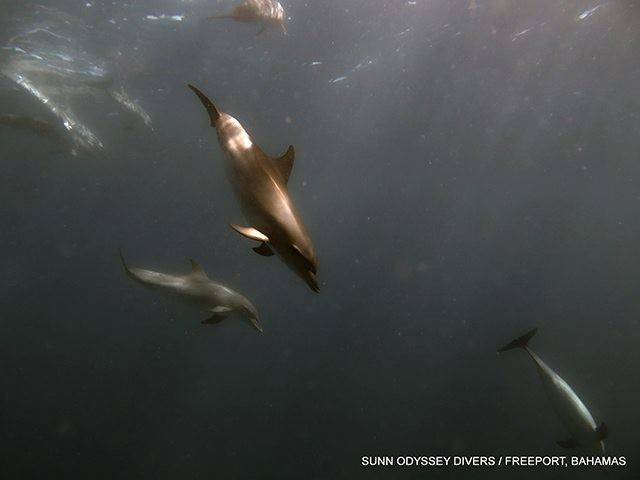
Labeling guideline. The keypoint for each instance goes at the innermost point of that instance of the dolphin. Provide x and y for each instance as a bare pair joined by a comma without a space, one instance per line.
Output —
586,436
267,12
260,185
198,290
30,124
38,126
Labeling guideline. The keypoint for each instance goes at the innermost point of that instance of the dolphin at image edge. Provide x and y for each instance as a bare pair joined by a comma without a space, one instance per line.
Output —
574,415
268,12
196,289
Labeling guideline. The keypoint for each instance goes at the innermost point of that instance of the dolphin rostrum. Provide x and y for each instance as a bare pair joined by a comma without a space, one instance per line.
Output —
574,415
267,12
260,184
198,290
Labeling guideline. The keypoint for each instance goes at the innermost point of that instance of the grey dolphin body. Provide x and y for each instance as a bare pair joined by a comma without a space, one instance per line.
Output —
32,124
260,185
586,436
198,290
37,126
50,57
267,12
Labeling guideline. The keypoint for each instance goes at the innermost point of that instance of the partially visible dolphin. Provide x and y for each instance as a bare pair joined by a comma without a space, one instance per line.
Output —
586,436
198,290
267,12
31,124
38,126
260,184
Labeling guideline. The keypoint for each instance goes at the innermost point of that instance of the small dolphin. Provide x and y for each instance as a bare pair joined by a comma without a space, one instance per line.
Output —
260,184
267,12
585,434
198,290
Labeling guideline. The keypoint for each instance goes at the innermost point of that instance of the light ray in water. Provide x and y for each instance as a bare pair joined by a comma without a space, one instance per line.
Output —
587,13
123,99
82,135
174,18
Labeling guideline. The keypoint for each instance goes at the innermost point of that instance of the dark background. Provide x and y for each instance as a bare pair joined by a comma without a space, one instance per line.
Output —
464,183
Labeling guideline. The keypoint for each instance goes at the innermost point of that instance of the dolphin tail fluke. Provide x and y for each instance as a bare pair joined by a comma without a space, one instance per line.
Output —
213,112
520,342
264,250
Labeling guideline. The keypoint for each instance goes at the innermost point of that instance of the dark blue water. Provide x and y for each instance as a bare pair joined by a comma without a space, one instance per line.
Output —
473,175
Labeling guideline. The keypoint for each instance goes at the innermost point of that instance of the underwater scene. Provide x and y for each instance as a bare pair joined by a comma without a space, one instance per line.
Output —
319,240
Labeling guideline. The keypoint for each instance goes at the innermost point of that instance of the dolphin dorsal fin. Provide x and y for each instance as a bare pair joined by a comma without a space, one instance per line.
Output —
284,164
196,269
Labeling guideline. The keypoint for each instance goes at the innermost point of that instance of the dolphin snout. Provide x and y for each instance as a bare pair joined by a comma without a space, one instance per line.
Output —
252,315
312,281
256,323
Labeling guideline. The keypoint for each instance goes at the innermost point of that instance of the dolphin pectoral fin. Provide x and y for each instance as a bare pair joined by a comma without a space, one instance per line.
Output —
264,250
219,314
213,319
569,444
221,309
602,431
196,269
251,233
284,164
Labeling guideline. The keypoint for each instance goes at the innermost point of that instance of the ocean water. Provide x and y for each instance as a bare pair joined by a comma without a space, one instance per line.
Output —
467,171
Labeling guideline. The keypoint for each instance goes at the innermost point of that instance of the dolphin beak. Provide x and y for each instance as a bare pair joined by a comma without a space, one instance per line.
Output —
311,280
256,323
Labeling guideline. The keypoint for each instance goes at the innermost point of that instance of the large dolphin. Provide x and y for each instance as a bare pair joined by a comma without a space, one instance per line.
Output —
260,184
198,290
586,436
266,12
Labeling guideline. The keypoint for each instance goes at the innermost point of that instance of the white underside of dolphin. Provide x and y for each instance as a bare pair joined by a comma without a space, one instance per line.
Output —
585,435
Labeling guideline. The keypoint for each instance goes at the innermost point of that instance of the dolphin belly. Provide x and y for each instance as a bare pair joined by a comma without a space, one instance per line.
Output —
263,200
572,412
